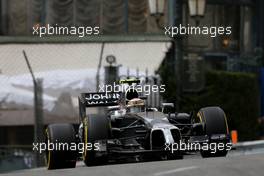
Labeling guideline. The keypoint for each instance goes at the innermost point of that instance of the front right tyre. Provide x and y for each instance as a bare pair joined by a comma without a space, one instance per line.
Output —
215,124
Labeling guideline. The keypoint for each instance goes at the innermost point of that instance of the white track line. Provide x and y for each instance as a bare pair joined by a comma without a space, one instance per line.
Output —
175,170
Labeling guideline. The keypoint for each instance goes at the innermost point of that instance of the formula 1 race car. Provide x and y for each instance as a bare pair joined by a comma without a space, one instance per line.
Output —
125,127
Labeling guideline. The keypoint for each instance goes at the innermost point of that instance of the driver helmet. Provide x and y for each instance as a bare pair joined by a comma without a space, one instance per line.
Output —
136,105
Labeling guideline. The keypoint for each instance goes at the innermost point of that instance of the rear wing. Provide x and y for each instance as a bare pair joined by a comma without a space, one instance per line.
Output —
97,99
100,99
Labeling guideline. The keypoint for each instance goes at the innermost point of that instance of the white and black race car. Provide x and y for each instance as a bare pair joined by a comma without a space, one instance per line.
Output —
131,130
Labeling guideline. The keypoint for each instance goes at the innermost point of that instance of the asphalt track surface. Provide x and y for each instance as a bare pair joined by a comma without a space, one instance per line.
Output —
236,163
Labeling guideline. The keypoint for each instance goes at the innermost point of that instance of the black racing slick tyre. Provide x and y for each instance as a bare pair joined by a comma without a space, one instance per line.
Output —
59,138
96,127
215,123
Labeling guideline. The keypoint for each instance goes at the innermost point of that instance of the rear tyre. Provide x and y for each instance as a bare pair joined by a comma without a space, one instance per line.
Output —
60,158
96,127
215,123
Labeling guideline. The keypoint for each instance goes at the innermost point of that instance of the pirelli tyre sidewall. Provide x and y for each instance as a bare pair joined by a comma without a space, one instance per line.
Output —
96,127
215,123
60,133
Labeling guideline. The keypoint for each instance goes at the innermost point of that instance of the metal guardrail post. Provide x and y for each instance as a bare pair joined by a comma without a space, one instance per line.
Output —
38,128
99,66
38,111
178,52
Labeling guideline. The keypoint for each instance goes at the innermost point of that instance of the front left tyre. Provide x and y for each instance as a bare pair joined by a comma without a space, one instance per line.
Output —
63,157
